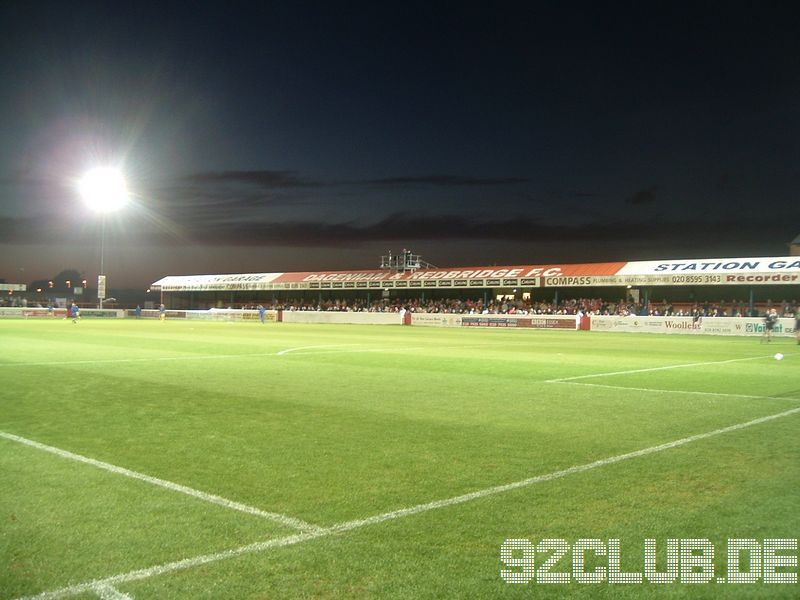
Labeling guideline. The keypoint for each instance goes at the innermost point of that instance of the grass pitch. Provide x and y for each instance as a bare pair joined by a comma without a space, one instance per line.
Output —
361,461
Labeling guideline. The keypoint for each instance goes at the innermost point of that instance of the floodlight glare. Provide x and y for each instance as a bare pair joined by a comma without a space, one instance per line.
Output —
103,189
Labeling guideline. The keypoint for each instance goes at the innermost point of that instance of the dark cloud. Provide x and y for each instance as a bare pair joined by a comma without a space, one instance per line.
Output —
14,178
263,179
190,204
25,179
646,196
35,229
203,196
290,179
401,227
445,181
16,229
225,228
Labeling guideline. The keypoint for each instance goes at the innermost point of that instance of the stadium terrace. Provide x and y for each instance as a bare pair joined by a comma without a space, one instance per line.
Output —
751,281
692,272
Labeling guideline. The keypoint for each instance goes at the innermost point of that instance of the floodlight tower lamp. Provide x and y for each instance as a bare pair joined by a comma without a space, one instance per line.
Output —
103,190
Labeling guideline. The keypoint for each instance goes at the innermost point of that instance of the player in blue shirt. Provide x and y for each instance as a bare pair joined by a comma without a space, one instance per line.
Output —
75,312
261,312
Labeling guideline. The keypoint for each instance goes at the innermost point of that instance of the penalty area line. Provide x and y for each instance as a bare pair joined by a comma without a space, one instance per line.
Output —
346,526
162,483
689,392
651,369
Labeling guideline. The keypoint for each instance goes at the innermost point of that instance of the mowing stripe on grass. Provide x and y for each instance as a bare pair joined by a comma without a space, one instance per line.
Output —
100,361
657,391
290,540
651,369
175,487
59,363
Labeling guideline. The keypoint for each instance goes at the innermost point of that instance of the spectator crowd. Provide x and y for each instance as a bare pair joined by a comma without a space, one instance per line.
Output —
572,306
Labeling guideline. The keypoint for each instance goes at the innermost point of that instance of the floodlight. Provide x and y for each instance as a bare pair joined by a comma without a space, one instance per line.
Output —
103,189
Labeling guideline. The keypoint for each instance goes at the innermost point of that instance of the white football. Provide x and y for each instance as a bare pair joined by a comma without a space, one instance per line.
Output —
778,356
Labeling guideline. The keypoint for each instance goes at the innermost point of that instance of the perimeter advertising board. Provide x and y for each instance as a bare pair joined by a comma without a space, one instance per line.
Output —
686,325
494,321
44,312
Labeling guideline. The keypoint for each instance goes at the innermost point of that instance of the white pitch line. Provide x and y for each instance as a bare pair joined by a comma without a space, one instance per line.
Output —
395,349
348,348
346,526
108,592
689,392
668,367
359,351
175,487
350,351
288,350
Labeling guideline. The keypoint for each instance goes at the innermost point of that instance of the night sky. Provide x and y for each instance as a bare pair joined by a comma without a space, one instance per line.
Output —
261,137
